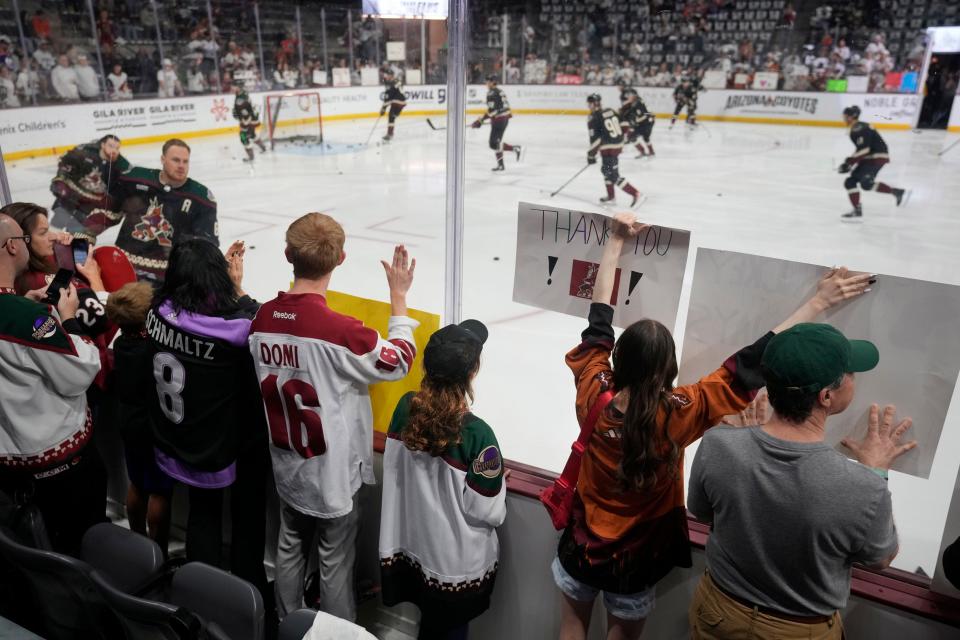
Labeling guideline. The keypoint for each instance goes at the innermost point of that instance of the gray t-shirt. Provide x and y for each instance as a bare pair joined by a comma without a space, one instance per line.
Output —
789,519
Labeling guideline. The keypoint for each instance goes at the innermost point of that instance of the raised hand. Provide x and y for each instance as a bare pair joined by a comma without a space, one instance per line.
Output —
840,284
881,446
234,256
626,226
90,270
755,414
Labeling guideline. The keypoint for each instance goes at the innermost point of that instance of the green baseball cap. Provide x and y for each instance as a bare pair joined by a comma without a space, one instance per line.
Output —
810,357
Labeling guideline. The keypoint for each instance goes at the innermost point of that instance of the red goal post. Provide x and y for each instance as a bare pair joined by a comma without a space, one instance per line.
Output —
295,116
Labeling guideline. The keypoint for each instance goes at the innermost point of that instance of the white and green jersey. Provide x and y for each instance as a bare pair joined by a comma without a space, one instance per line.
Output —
46,373
438,539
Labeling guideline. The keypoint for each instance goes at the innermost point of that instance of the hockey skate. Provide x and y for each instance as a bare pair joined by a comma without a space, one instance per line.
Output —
638,201
387,138
902,195
499,167
517,149
854,215
606,199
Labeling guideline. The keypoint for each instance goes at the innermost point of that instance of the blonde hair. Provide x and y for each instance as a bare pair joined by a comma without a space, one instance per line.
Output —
127,306
314,245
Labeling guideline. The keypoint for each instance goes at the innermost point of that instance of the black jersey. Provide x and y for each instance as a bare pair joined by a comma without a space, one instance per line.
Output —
606,135
244,112
84,180
205,398
498,107
154,216
635,112
870,146
687,93
393,96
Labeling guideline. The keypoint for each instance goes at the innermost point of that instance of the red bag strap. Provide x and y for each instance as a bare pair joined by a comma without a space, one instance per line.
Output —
571,471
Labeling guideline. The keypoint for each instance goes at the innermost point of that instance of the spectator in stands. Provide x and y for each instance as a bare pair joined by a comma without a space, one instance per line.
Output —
41,25
513,71
842,50
196,80
215,437
28,82
231,60
338,359
8,90
118,87
105,30
168,83
877,46
789,16
44,57
66,84
148,19
48,365
629,524
436,447
147,70
285,77
8,57
149,492
87,81
780,551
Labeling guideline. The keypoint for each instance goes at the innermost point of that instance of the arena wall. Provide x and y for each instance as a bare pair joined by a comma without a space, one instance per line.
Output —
954,125
51,130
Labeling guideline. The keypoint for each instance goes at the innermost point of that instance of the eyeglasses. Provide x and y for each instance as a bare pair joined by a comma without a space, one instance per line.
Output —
26,240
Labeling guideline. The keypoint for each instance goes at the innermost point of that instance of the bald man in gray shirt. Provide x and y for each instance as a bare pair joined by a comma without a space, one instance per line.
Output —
790,514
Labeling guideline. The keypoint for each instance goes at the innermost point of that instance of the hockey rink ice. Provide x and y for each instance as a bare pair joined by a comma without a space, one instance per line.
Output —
761,189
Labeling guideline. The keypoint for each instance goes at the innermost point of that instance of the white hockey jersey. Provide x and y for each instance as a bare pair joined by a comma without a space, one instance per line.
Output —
438,543
46,373
314,366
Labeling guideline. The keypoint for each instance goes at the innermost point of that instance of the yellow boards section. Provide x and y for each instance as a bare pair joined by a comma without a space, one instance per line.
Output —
376,315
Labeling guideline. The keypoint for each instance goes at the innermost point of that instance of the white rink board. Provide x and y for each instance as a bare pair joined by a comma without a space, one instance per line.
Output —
43,128
736,298
558,252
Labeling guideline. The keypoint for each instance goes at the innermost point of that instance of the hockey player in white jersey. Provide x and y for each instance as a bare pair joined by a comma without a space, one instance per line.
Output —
314,366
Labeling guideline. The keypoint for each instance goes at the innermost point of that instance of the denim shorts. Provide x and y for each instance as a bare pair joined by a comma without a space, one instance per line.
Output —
626,606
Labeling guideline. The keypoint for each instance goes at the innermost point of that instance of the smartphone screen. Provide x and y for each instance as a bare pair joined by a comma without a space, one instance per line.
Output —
81,249
60,281
64,256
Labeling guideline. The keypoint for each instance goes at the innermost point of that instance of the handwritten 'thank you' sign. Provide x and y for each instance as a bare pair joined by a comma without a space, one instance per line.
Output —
558,254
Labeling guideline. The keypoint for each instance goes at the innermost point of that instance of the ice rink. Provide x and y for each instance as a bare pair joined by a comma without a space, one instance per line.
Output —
762,189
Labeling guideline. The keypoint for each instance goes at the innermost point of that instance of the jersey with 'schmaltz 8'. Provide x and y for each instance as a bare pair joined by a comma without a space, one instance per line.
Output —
498,107
870,146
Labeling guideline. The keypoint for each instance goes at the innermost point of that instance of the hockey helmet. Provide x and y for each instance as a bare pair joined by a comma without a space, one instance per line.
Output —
492,77
852,111
593,98
627,93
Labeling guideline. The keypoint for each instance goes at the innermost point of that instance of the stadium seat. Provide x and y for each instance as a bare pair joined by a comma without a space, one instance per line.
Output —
147,619
218,597
127,560
296,625
60,587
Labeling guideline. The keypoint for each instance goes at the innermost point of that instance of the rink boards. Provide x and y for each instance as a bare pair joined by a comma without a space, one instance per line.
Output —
51,130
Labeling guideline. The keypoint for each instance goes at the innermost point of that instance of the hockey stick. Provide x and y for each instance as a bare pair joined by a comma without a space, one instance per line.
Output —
585,167
955,143
369,137
444,128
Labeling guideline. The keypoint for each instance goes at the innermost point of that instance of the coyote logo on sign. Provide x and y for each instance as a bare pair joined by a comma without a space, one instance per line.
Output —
583,277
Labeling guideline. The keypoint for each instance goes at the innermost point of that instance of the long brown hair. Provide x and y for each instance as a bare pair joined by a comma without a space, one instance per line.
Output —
436,415
26,214
645,364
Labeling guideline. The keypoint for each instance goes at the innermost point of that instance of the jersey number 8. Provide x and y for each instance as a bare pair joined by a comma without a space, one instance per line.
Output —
289,423
171,377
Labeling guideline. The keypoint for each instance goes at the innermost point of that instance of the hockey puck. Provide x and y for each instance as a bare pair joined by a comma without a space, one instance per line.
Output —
719,195
496,257
339,173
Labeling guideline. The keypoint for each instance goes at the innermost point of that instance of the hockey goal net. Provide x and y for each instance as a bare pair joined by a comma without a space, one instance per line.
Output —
294,117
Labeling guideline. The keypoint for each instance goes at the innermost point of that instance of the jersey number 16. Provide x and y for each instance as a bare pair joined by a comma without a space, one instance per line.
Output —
290,425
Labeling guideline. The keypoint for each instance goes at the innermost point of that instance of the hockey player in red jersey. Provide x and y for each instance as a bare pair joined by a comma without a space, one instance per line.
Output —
606,139
870,156
498,111
314,366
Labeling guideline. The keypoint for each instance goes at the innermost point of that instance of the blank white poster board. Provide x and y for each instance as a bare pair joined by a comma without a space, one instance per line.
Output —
736,298
558,253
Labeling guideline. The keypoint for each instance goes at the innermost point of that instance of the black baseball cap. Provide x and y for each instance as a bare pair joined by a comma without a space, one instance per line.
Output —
453,352
809,357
